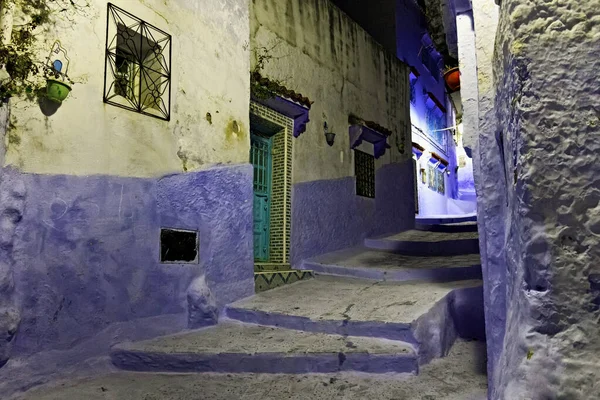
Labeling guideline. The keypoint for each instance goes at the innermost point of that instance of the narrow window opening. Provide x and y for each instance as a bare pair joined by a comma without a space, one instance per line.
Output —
364,169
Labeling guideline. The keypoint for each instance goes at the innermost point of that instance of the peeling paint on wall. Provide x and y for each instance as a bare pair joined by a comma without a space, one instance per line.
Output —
94,138
334,62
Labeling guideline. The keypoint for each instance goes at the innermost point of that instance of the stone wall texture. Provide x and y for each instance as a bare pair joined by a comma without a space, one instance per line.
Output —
328,215
12,206
209,74
320,52
86,251
482,133
548,115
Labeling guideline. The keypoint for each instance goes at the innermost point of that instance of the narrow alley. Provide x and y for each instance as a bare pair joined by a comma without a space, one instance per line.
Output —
299,199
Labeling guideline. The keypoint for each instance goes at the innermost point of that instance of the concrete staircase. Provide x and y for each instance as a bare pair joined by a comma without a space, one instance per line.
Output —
388,306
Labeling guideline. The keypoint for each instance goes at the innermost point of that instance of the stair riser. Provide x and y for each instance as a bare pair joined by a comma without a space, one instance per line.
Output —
436,331
445,248
431,275
468,313
449,220
376,329
269,363
446,228
264,281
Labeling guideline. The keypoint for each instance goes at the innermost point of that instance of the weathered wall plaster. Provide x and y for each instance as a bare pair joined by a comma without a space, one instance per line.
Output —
379,22
467,60
320,52
12,206
85,248
86,252
327,215
210,73
4,115
490,180
547,95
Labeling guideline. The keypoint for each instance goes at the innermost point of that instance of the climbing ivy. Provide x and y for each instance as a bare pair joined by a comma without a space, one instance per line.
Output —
262,88
24,73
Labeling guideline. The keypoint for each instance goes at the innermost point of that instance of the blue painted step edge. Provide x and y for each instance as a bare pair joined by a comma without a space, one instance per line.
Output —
415,248
270,363
440,274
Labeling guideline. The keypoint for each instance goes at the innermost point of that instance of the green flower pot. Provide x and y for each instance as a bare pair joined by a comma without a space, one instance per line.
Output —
57,91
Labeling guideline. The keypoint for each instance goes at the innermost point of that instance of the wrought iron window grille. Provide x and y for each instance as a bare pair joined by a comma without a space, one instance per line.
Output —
364,169
137,69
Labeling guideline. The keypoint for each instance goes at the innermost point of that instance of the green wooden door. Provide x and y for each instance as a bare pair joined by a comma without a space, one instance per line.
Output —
260,157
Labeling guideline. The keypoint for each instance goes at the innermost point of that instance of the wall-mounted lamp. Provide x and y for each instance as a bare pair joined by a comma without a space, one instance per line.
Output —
329,136
448,172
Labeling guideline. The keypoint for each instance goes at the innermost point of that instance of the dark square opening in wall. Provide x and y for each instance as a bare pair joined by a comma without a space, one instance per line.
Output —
178,246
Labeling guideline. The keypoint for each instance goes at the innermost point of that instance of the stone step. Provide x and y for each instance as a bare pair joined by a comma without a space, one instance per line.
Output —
419,243
446,219
380,265
244,348
450,228
427,315
267,280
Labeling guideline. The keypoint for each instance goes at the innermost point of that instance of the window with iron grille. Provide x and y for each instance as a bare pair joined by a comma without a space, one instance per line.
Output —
364,169
137,70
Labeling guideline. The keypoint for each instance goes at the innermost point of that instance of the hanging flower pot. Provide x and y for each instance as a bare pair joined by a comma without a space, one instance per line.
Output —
452,78
57,91
55,70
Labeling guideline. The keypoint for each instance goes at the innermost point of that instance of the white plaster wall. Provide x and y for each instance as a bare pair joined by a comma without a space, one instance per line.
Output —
460,207
321,53
490,186
476,26
4,115
466,179
430,201
469,91
210,73
547,100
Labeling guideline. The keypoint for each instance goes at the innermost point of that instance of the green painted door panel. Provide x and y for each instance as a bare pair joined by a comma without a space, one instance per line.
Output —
260,157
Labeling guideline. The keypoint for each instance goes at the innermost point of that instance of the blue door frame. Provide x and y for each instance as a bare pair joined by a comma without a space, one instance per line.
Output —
260,157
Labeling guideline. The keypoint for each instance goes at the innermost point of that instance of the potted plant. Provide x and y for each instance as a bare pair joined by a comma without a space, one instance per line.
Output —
56,90
57,80
452,78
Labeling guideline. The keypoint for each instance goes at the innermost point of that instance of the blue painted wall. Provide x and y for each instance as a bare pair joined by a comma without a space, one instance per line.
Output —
87,249
411,28
327,215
